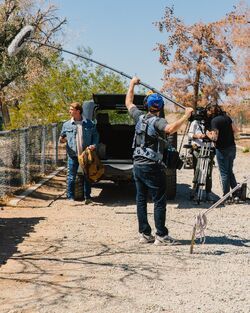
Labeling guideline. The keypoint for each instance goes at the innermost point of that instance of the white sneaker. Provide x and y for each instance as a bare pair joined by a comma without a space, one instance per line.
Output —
165,241
146,238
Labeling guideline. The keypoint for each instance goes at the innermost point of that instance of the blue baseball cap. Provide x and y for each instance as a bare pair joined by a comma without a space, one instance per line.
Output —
155,102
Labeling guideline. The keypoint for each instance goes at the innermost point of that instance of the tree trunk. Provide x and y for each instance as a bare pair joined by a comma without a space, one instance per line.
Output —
1,115
196,84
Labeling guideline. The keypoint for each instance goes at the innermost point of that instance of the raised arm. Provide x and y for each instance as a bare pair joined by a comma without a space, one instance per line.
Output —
130,93
173,127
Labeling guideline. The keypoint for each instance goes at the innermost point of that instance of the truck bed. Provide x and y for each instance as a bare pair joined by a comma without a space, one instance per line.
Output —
116,141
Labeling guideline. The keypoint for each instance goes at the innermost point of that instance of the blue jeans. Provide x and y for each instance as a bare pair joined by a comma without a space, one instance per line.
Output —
151,178
72,172
225,159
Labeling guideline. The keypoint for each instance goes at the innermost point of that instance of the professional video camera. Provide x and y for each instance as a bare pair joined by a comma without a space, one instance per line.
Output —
199,115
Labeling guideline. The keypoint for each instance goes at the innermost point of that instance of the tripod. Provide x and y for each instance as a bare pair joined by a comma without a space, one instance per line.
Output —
204,164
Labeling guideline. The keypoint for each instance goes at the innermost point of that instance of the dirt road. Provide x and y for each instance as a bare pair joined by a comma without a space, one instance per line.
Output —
57,257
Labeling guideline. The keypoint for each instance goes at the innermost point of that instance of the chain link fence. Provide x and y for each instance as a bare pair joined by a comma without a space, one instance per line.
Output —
27,154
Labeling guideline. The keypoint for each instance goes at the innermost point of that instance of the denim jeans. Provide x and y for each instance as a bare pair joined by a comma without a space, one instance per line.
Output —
72,172
225,159
151,179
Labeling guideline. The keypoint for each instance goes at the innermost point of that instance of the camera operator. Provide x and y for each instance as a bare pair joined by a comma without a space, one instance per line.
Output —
197,135
222,133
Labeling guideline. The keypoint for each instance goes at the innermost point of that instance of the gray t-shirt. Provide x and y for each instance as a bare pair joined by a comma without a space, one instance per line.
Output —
160,125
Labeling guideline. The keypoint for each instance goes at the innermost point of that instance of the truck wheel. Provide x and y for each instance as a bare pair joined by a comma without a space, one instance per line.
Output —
171,183
79,187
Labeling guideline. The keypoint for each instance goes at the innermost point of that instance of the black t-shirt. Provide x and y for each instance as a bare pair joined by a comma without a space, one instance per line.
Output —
223,124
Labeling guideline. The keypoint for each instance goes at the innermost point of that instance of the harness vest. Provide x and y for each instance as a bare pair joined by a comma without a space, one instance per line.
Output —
147,142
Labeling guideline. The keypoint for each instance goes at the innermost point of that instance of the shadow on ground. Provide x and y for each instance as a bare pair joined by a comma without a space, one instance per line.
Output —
12,232
46,194
224,240
183,201
115,195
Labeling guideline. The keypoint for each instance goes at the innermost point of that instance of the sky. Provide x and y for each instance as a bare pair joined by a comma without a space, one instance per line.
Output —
122,35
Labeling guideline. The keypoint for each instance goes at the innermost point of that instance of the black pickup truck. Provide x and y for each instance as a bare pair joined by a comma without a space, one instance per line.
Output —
116,129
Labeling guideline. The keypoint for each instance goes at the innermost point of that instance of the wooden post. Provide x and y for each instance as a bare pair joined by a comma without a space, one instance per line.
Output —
193,239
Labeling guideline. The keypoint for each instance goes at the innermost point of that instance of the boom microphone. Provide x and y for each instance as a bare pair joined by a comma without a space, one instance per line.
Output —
21,38
25,35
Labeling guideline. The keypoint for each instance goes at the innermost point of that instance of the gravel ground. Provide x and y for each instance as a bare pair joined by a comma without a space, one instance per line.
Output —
57,257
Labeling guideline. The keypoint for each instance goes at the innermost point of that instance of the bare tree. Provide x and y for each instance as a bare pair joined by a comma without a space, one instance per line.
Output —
196,58
237,26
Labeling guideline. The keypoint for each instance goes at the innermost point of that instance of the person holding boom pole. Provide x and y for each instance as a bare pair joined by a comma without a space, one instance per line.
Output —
148,170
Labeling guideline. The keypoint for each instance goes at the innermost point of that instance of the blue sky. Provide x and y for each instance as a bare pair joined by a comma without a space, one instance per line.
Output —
121,32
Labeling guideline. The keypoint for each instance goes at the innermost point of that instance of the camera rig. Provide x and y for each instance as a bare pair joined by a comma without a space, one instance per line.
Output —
199,115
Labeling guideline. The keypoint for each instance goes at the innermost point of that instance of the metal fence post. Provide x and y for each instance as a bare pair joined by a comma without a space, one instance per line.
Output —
55,143
43,141
4,162
24,156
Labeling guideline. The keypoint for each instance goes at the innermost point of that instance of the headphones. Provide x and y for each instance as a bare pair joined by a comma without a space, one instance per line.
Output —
150,92
153,102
